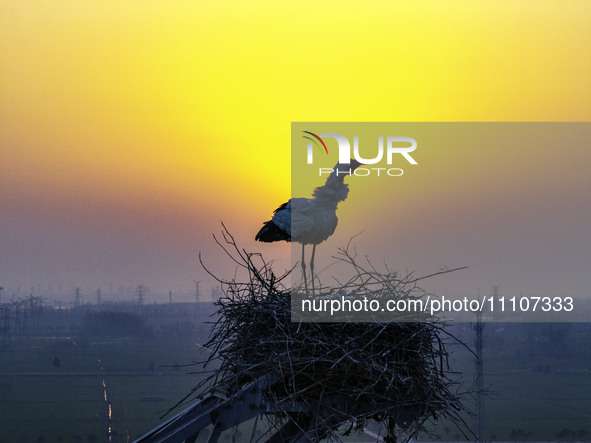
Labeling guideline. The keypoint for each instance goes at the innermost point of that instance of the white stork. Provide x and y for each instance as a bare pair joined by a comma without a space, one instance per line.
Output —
310,221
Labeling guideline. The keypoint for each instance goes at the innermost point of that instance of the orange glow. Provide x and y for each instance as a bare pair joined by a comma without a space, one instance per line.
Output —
165,117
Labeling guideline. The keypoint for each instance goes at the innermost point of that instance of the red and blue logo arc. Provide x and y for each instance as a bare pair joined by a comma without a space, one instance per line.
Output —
315,139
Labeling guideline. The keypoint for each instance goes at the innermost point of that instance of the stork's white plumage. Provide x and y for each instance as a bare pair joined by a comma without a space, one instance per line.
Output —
310,221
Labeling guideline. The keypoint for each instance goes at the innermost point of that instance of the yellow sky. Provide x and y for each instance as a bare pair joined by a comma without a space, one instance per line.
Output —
183,108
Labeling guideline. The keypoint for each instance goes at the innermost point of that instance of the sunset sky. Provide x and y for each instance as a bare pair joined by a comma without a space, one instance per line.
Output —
130,129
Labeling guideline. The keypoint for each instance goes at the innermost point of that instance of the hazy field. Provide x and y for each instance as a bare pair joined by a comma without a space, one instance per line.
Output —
43,403
58,379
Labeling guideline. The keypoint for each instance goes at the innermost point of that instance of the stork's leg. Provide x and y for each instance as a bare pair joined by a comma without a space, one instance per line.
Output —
303,263
312,267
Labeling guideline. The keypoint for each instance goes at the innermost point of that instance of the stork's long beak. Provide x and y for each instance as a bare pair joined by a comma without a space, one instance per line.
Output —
354,164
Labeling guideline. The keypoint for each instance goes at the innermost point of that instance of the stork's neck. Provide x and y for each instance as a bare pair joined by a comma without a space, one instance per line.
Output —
331,194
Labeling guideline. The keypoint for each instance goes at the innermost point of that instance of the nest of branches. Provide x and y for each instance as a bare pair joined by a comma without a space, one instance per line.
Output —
341,374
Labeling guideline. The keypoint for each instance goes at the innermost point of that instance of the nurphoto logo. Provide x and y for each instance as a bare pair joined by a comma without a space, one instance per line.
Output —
395,145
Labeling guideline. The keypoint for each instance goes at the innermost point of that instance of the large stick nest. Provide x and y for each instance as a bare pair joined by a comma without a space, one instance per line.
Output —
344,374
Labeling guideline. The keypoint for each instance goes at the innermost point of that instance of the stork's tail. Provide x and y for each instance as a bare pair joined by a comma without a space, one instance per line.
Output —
270,232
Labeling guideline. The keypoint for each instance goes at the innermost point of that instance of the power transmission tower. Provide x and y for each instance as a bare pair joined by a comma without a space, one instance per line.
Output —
216,292
140,291
479,328
77,299
140,294
480,411
5,311
197,291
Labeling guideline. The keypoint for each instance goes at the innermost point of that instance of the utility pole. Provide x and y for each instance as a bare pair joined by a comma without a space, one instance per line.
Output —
170,297
98,296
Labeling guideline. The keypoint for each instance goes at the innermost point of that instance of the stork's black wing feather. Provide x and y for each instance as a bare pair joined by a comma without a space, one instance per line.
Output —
270,232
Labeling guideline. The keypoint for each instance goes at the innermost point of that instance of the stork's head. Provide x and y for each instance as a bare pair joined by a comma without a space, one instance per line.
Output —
341,170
